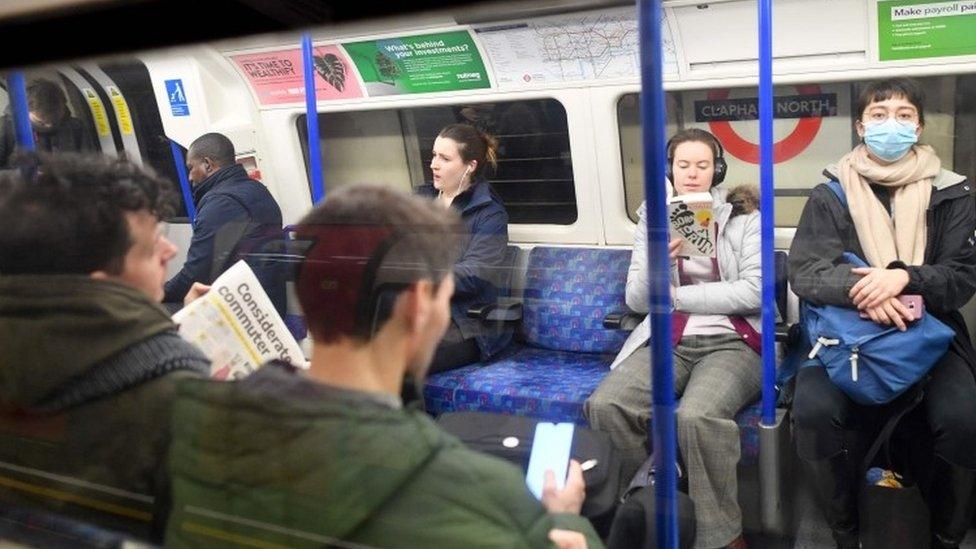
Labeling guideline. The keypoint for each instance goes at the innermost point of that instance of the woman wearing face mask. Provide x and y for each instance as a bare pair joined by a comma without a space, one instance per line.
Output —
913,223
461,157
716,344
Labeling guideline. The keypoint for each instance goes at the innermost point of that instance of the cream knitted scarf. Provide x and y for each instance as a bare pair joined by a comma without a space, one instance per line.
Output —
901,235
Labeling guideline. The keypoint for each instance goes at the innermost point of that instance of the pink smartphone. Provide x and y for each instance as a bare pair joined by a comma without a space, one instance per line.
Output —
914,303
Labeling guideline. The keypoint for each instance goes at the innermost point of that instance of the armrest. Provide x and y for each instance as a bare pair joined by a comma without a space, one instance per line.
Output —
622,321
504,310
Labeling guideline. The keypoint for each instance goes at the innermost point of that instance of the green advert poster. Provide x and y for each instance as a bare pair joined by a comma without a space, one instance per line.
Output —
915,30
424,63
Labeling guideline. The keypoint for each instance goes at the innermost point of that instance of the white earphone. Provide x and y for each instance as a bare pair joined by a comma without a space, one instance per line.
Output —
460,188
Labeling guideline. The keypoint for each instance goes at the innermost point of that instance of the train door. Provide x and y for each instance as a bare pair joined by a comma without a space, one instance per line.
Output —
117,108
136,121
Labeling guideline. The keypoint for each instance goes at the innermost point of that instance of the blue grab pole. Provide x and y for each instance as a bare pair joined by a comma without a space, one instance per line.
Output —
180,162
662,426
766,210
312,122
17,89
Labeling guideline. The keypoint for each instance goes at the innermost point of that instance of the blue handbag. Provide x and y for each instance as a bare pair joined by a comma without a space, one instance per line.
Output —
872,363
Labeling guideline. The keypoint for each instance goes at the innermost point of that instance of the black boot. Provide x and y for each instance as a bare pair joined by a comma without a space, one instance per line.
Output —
833,480
952,503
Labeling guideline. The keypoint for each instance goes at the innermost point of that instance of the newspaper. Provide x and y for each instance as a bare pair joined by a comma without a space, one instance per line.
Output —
693,223
237,327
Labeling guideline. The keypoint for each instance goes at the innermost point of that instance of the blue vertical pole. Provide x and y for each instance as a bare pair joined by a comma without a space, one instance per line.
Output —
766,210
312,122
17,89
180,162
662,426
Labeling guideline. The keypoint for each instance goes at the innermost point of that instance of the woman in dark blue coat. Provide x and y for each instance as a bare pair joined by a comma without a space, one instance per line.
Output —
462,155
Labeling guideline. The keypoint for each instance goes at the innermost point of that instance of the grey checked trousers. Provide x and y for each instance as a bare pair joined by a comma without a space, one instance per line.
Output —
715,376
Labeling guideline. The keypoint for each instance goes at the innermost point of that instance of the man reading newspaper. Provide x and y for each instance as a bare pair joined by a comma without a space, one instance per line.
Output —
88,358
237,327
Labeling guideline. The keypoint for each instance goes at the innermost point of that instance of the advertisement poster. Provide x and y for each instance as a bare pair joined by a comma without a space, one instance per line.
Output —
909,29
446,61
276,76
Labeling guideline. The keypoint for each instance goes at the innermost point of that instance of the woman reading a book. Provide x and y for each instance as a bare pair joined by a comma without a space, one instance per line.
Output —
913,223
462,156
716,296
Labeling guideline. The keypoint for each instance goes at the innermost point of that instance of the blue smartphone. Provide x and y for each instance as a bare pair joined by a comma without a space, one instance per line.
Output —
550,450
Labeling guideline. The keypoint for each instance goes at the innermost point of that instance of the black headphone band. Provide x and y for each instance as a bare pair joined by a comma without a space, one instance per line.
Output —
367,300
669,151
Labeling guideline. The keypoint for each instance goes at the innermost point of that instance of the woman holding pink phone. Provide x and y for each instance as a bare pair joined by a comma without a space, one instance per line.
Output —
913,223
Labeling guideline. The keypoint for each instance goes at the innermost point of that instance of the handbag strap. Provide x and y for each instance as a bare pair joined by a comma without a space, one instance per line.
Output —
884,437
838,191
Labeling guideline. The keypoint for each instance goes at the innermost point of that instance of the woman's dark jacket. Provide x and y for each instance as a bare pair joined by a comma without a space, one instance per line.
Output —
69,135
947,279
480,275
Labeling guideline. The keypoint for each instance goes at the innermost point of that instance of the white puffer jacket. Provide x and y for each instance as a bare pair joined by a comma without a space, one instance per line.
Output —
739,261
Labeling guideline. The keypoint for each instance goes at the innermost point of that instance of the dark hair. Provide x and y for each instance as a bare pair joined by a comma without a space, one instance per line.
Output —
473,144
881,90
215,146
46,99
368,243
697,135
66,213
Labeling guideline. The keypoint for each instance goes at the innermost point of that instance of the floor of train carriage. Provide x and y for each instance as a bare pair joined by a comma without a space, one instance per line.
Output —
812,531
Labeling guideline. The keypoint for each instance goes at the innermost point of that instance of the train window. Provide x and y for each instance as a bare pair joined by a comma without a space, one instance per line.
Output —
813,129
535,173
631,153
77,107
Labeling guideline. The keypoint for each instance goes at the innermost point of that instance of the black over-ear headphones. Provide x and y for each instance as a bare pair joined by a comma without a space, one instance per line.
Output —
721,167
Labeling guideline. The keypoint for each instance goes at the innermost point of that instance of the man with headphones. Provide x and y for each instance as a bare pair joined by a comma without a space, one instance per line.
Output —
716,322
330,456
55,130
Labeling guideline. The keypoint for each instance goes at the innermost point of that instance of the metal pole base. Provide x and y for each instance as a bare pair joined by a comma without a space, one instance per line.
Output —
776,485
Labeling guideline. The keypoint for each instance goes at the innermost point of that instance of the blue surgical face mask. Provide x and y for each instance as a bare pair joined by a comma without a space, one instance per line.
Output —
891,139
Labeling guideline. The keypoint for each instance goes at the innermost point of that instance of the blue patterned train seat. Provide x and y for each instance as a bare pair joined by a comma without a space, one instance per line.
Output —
568,292
748,420
533,382
564,353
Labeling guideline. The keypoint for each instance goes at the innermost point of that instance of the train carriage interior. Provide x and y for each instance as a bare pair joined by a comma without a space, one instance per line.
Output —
558,84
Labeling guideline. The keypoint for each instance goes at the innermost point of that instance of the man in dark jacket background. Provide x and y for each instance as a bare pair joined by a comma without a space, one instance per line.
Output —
55,130
88,358
236,216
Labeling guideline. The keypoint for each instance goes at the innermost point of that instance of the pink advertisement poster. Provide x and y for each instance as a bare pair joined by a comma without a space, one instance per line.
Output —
276,76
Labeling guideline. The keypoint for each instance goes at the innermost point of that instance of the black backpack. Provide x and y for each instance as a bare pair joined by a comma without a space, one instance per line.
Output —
635,525
510,437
